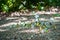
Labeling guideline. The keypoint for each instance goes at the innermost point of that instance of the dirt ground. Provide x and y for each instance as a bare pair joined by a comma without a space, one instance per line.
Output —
26,33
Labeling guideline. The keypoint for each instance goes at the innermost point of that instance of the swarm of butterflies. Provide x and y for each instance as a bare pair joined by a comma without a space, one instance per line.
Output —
45,26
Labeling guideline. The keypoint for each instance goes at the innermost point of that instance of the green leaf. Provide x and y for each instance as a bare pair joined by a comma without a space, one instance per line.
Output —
5,8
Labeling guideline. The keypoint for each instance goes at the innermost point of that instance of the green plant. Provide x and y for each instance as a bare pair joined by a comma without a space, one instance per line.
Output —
38,6
15,5
5,8
56,15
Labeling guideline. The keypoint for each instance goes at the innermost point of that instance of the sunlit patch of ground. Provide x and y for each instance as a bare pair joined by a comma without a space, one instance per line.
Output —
27,34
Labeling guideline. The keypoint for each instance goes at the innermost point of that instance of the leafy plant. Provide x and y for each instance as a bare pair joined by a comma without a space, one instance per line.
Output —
56,15
5,8
38,6
14,5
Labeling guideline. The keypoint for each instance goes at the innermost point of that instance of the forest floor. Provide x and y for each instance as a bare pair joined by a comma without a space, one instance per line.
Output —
27,34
